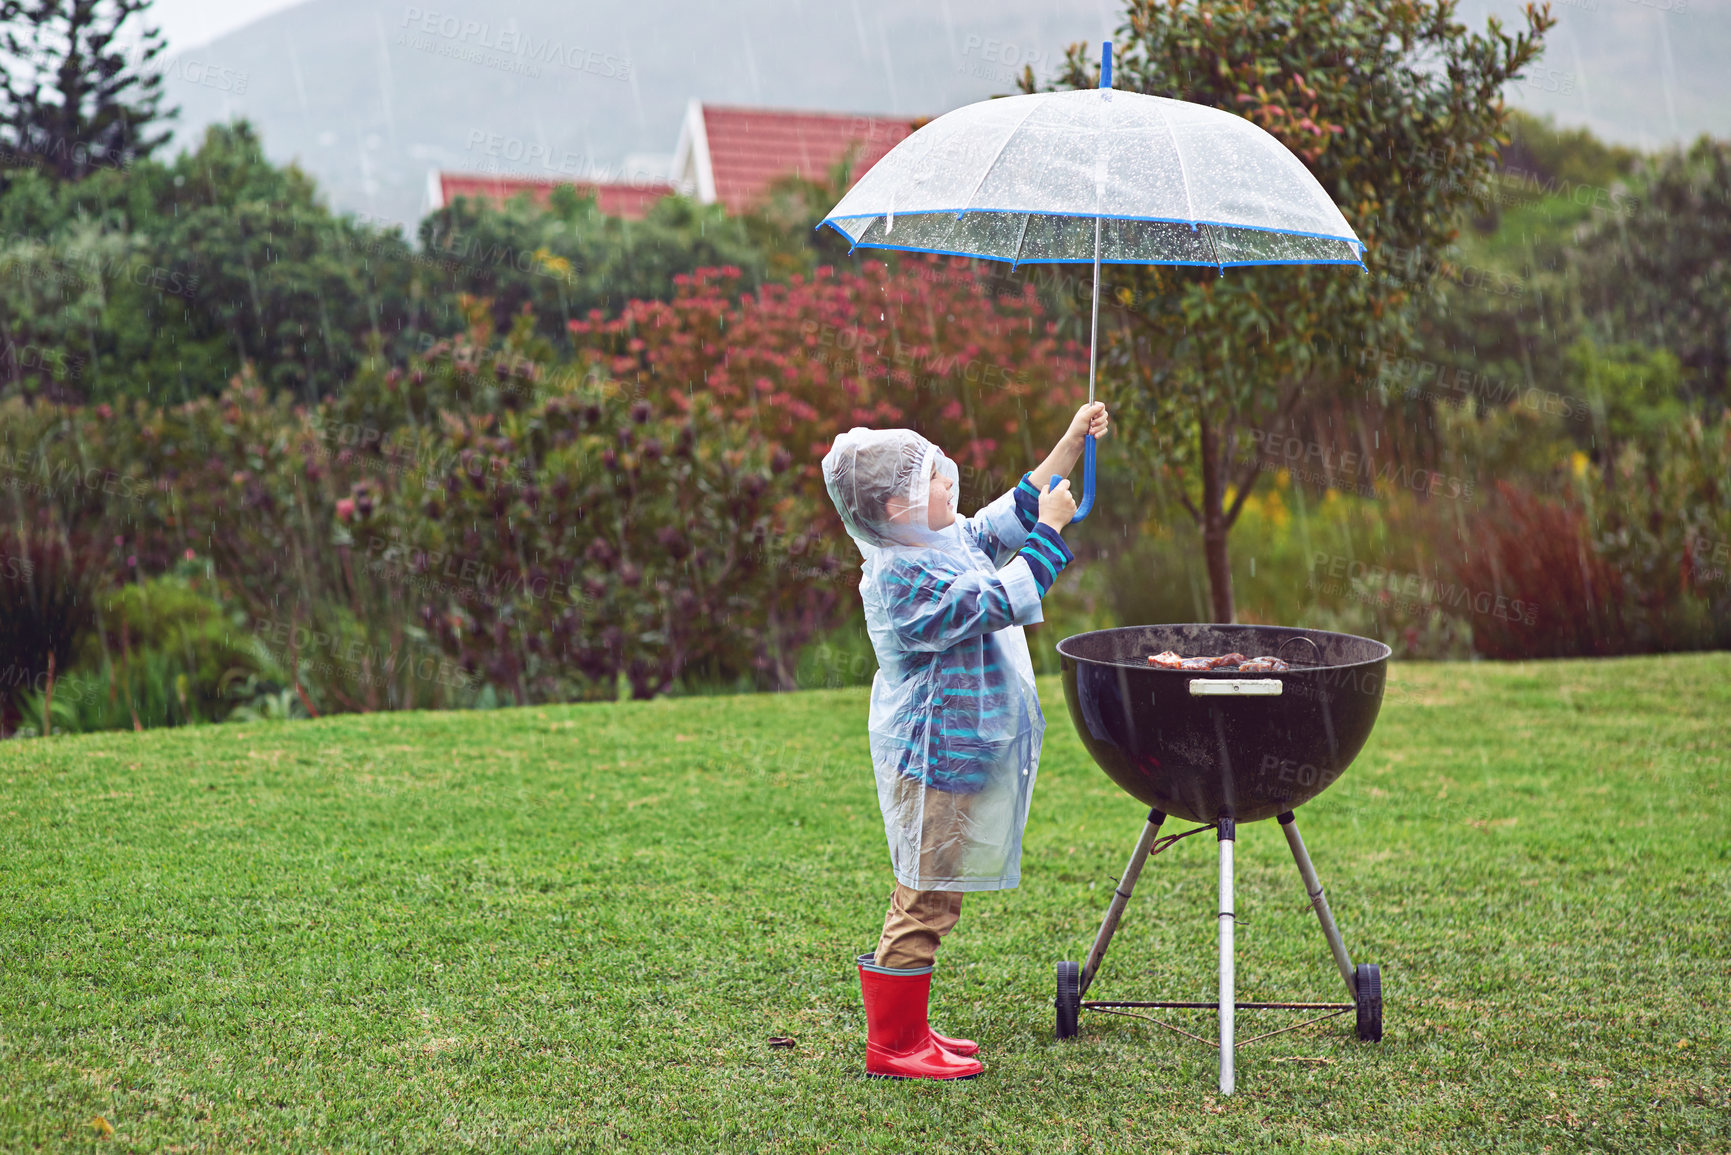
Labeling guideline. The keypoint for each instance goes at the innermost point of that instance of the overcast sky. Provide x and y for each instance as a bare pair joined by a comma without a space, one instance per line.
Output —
190,23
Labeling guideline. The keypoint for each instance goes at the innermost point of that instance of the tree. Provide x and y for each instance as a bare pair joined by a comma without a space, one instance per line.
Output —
56,297
74,98
1661,272
162,281
268,274
1498,322
1397,110
565,258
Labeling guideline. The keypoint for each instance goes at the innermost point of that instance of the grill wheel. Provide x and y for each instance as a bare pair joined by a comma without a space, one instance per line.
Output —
1069,1000
1367,984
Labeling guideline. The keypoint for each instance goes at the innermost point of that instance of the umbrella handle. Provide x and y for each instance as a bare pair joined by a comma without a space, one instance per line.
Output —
1087,480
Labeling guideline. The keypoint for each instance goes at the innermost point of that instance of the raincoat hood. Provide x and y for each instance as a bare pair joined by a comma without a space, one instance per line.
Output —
866,469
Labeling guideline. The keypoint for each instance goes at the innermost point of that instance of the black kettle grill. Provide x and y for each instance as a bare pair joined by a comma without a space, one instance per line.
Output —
1221,747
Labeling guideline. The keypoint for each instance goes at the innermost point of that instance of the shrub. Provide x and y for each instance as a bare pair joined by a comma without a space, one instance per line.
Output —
925,345
264,492
1661,517
1553,595
47,581
169,632
618,542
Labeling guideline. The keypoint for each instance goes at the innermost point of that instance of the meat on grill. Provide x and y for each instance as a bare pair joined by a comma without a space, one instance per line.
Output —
1167,660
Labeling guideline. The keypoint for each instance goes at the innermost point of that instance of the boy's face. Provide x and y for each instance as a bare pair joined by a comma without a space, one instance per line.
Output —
939,515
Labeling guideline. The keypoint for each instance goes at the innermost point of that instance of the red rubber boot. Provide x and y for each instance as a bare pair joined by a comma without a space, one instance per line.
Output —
964,1047
899,1040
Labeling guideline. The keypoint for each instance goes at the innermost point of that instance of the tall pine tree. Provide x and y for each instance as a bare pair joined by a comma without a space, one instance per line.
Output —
78,90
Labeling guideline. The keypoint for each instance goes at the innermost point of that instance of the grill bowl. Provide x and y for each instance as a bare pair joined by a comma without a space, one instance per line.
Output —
1247,757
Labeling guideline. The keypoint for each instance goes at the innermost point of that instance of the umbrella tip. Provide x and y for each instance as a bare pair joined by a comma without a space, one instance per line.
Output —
1105,64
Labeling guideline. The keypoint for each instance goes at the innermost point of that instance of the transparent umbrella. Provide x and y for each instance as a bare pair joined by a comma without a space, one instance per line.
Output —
1101,177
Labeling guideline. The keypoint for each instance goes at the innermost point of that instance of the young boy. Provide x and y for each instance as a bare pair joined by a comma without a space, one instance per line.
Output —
955,721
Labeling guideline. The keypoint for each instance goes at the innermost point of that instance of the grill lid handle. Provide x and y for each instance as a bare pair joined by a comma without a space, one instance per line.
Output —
1236,687
1280,651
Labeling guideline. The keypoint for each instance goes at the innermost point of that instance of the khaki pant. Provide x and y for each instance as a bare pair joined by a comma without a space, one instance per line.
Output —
919,919
916,922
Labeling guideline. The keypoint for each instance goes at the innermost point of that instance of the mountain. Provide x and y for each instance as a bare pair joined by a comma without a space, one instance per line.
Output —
367,95
1642,72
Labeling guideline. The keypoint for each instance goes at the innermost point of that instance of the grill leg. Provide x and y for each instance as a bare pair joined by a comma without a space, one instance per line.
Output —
1228,978
1313,886
1121,896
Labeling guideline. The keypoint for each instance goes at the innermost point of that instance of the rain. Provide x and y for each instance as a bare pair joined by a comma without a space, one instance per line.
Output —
533,534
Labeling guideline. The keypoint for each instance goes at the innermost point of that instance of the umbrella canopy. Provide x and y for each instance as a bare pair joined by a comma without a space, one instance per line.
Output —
1024,178
1098,177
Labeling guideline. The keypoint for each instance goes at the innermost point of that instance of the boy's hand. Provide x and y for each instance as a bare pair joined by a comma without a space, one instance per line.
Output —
1057,507
1090,418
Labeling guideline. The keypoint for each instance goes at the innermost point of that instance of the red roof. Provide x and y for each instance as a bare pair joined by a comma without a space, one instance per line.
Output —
750,147
746,150
615,199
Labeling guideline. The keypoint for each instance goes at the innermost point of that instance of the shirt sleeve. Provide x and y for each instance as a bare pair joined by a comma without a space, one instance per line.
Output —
1027,496
1046,555
932,606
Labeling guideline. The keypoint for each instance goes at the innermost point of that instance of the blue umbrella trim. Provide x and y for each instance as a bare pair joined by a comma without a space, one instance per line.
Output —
1090,260
1089,216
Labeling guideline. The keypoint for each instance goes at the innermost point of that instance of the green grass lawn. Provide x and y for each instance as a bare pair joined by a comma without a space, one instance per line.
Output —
577,927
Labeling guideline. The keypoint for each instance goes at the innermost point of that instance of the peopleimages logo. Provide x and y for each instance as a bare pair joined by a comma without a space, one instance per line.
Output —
1346,470
1000,60
34,472
1412,376
205,75
1411,591
35,145
319,651
466,38
57,363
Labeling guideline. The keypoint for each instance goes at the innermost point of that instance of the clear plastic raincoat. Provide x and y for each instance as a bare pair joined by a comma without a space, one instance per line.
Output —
955,722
